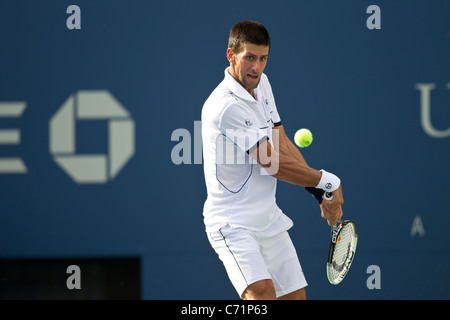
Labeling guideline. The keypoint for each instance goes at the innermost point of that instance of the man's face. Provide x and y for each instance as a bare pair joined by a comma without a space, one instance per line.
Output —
248,65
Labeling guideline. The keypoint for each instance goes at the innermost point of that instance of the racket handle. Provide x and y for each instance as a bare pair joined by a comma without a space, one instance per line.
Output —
328,196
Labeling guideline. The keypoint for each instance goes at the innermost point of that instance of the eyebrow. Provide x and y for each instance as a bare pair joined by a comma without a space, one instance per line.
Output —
254,55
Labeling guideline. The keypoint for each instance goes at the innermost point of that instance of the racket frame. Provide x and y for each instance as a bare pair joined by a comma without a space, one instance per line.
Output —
335,231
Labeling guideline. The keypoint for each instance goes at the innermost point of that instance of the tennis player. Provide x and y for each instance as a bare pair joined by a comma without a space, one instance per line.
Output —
245,151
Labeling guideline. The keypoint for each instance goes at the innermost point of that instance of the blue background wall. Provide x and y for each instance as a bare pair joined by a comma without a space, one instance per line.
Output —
353,87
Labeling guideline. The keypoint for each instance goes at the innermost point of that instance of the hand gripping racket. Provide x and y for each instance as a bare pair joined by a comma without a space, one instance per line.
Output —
344,238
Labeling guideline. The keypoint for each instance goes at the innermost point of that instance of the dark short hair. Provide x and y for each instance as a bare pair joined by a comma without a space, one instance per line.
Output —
250,32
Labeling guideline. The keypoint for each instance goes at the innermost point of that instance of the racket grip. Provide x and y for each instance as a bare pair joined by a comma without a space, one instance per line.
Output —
328,196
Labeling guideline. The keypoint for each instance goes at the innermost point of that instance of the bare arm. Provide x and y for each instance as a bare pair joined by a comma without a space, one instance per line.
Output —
283,166
285,145
285,162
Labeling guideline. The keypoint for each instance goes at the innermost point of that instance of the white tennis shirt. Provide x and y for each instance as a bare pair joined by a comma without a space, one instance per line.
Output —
239,191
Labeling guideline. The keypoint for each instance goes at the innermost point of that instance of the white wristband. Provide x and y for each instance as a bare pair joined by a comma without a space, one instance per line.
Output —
329,182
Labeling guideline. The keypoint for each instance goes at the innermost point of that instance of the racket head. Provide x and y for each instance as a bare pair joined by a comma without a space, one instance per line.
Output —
344,238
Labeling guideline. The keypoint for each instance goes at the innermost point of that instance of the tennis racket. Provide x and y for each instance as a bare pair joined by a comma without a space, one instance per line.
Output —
344,238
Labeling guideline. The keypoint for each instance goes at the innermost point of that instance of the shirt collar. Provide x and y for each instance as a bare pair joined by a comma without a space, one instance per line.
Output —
236,87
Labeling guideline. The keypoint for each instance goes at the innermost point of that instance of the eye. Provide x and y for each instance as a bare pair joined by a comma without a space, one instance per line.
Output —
250,58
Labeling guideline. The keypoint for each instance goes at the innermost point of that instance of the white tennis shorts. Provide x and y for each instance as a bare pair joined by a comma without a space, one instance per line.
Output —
250,256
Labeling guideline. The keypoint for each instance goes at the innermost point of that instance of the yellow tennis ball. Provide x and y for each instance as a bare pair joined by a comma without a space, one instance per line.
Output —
303,138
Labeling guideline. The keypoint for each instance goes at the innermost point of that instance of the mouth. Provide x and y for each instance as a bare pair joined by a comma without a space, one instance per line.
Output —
252,77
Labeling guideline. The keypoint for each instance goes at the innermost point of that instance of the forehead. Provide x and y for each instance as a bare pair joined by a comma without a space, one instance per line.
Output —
257,50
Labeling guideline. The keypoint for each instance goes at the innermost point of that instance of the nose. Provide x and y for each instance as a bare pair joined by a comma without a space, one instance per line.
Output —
256,66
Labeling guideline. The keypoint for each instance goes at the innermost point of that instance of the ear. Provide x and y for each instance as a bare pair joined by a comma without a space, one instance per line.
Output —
230,55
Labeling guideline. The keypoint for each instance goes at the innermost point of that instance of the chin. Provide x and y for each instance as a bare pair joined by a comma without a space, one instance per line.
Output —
251,86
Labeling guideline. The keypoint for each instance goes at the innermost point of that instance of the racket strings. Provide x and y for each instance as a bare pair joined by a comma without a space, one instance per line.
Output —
342,250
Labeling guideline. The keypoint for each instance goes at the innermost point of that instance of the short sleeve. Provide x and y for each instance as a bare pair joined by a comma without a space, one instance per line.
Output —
275,116
272,105
237,124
